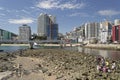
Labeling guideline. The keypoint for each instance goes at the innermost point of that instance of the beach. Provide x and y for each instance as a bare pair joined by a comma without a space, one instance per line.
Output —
53,64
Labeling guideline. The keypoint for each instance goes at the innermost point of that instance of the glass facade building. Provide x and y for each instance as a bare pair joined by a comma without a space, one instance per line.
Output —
47,26
6,35
52,32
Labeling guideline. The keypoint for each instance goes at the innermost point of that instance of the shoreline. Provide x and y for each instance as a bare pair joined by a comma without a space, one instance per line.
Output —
54,64
14,45
104,46
67,45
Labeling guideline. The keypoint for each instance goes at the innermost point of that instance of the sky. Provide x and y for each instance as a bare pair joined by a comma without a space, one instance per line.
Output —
69,13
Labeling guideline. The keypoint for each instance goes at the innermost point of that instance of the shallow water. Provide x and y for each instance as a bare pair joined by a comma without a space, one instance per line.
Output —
12,48
113,54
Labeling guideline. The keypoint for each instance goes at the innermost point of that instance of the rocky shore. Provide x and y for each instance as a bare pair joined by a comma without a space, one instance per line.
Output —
53,64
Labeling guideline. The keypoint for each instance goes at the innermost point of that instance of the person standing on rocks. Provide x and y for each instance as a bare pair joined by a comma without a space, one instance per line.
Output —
103,62
21,52
98,60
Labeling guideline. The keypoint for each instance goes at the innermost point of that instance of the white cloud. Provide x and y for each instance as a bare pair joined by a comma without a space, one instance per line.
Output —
32,7
25,11
1,8
56,4
71,6
1,14
48,4
108,12
8,11
79,14
21,21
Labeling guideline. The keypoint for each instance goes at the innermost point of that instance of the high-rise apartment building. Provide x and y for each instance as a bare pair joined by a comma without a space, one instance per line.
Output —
24,32
105,31
91,30
117,22
47,26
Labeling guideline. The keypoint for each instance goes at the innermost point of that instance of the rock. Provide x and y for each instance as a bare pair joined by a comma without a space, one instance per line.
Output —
85,74
78,79
39,65
26,72
59,76
5,75
49,74
44,70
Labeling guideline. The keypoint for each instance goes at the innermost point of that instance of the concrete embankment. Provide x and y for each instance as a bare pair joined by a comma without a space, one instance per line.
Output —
104,46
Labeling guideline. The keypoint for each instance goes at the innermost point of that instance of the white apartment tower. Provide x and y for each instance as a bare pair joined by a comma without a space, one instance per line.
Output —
24,32
91,30
105,31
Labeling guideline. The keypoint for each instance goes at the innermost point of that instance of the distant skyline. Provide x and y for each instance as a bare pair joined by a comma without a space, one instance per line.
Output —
69,13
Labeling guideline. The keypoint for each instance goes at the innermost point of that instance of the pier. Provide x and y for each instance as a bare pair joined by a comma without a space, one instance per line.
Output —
60,43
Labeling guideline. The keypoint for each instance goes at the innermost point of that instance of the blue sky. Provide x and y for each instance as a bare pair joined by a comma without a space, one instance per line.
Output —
69,13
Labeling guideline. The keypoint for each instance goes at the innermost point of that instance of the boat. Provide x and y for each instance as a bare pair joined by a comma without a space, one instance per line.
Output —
35,45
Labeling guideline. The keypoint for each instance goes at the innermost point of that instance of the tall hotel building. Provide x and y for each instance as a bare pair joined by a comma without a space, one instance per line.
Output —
43,22
24,32
47,26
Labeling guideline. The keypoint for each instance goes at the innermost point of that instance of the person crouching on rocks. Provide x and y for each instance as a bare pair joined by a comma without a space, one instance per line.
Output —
99,68
113,65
